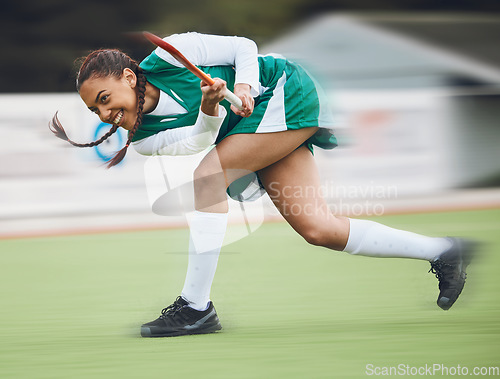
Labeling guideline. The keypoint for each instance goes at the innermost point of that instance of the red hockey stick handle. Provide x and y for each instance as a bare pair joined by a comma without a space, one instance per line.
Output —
229,96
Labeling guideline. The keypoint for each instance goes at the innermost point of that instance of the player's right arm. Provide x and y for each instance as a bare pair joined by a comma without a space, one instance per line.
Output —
192,139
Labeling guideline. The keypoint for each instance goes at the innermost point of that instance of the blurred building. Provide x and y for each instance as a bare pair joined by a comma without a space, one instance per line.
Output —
417,100
418,97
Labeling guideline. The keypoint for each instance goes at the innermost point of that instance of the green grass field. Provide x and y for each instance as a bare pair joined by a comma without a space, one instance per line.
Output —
72,306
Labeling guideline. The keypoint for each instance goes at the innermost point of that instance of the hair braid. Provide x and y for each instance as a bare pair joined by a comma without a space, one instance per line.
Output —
56,128
141,91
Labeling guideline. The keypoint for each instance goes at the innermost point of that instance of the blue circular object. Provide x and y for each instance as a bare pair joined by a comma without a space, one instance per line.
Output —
108,148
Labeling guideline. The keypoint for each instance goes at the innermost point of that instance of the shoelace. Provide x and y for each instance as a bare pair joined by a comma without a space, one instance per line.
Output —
437,268
172,309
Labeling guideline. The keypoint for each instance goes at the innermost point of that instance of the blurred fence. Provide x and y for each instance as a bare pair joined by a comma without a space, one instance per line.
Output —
395,147
401,147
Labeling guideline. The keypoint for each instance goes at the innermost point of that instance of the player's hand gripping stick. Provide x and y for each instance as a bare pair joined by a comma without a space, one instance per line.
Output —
229,96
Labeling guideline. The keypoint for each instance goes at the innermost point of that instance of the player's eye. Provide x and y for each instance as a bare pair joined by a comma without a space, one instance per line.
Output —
104,98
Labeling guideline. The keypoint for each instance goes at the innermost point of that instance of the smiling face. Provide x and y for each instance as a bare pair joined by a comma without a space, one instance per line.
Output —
113,99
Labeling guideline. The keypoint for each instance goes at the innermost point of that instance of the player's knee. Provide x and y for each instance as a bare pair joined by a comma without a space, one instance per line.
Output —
316,236
208,179
204,171
332,235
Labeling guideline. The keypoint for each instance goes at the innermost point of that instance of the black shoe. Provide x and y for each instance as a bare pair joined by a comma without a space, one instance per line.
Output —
449,268
179,319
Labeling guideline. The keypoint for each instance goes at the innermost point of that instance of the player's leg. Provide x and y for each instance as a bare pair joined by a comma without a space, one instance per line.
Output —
239,155
234,157
293,185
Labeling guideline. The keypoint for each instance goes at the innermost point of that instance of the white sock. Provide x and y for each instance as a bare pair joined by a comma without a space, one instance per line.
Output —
207,232
376,240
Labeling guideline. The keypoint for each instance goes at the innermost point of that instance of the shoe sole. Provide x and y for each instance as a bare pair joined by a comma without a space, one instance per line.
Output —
146,331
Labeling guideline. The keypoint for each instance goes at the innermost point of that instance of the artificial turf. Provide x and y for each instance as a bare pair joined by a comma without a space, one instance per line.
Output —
72,306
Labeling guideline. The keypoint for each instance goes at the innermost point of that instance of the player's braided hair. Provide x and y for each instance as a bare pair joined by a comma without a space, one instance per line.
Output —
100,64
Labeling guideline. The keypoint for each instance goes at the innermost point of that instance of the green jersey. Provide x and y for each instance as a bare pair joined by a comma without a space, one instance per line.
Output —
288,99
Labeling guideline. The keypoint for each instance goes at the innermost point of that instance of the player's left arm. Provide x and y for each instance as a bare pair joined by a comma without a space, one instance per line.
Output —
213,50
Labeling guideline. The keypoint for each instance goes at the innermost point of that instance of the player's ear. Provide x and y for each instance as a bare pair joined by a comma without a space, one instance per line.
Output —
130,77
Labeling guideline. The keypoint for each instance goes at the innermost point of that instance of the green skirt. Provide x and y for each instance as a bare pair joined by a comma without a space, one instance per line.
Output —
294,100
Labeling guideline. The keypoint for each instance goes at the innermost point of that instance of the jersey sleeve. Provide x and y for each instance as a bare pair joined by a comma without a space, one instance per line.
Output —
186,140
213,50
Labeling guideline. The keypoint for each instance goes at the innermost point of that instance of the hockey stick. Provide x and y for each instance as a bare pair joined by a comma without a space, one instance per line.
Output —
229,96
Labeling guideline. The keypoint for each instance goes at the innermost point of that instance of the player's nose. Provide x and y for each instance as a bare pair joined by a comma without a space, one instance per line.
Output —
105,114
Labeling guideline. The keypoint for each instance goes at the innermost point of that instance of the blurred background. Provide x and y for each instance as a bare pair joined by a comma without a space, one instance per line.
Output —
415,86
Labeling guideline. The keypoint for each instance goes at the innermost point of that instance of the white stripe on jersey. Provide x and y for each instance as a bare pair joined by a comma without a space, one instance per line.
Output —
274,119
